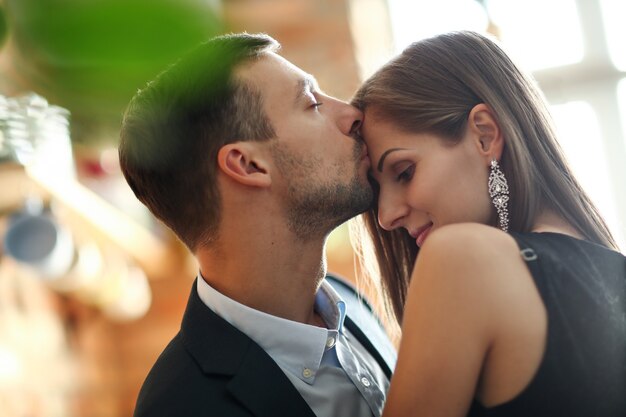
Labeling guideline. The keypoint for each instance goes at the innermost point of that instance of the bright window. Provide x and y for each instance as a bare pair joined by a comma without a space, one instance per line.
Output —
613,14
418,19
527,28
540,34
580,137
621,97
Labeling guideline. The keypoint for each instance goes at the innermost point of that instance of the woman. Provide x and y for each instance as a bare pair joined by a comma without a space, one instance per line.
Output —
517,295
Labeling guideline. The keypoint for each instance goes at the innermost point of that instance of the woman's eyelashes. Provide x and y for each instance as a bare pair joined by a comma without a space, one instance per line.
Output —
406,174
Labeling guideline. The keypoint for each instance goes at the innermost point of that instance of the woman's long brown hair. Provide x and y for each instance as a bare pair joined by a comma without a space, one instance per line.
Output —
431,87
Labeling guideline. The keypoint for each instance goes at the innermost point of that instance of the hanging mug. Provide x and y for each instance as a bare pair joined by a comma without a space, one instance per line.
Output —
40,242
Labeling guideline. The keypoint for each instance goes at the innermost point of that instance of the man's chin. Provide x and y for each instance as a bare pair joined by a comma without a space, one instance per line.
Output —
363,199
320,211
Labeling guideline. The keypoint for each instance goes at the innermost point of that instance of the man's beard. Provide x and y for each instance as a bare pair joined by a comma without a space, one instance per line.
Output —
314,209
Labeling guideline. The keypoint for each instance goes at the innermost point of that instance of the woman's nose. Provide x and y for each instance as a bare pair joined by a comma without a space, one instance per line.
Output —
391,211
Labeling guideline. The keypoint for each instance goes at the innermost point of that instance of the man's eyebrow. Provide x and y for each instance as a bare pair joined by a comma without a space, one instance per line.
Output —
384,155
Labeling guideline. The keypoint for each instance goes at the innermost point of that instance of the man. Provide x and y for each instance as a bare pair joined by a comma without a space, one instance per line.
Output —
240,154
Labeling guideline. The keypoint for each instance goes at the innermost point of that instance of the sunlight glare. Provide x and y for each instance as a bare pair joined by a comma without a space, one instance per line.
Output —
419,19
580,137
621,99
613,13
529,32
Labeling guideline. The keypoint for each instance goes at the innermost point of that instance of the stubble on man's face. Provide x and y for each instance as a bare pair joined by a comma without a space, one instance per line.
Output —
319,201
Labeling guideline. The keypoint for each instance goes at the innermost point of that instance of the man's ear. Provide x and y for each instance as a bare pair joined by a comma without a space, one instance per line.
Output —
486,131
244,163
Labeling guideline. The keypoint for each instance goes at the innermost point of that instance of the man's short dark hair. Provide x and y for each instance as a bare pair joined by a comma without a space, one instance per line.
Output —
173,129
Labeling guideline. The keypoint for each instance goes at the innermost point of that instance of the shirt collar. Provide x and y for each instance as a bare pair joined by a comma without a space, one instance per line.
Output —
330,307
296,347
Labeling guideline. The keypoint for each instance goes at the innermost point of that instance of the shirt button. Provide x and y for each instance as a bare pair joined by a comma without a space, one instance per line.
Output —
366,382
307,373
330,342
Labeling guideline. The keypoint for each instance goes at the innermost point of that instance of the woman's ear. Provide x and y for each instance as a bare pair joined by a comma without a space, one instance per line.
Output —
486,131
244,162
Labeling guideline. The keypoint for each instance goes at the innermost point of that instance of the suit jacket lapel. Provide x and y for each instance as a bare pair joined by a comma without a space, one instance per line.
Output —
257,381
264,389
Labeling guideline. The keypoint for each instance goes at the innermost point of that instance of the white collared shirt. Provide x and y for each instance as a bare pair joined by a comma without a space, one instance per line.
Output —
333,372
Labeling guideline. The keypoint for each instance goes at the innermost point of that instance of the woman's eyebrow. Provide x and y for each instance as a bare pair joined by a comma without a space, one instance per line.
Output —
379,166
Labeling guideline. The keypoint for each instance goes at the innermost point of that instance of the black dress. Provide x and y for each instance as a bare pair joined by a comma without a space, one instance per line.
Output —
583,371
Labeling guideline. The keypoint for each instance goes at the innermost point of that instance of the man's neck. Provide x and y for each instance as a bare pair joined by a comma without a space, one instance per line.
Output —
277,278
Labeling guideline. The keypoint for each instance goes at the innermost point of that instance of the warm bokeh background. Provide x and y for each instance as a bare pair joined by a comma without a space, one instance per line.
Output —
80,344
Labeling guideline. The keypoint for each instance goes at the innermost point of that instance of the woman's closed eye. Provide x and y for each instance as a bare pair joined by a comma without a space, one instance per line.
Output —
406,174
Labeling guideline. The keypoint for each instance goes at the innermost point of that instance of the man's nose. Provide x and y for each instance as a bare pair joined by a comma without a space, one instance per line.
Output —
349,119
356,126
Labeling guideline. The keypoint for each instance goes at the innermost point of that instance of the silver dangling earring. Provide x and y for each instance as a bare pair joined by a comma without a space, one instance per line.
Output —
499,193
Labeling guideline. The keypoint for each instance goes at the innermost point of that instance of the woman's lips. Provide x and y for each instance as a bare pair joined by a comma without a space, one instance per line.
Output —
422,234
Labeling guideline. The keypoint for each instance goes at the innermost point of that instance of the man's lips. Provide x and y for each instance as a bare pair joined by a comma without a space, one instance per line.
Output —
364,153
365,156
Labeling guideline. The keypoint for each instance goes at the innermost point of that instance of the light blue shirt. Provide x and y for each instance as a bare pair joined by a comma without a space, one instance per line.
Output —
333,372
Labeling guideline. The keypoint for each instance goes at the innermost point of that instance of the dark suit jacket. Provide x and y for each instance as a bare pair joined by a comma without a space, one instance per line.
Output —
210,368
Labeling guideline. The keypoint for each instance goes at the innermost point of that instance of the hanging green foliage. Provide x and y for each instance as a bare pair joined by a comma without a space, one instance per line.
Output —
90,56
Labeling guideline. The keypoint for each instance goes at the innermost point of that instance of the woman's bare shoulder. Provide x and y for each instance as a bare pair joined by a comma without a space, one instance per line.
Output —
471,245
480,268
468,288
